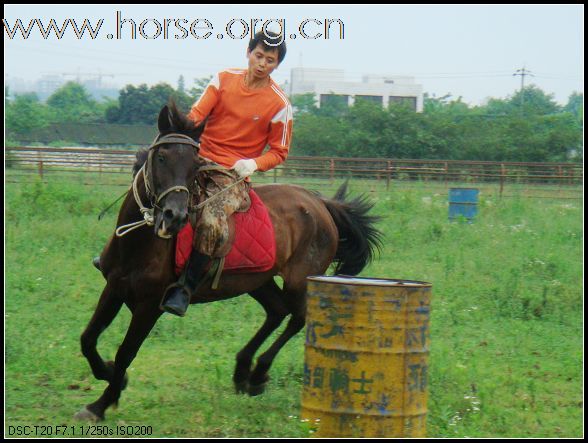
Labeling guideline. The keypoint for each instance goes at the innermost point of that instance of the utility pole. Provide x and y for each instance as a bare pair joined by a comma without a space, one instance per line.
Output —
523,72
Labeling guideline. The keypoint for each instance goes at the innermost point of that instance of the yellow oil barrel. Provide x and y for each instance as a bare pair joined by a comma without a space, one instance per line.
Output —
366,357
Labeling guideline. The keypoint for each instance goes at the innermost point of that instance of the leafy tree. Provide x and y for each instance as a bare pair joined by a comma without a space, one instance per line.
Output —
560,136
304,103
497,106
447,129
333,105
434,104
112,113
575,106
25,113
528,126
133,105
318,136
200,85
70,94
159,95
141,104
72,102
533,101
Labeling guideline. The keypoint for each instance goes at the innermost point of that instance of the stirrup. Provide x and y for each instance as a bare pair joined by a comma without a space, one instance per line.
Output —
180,311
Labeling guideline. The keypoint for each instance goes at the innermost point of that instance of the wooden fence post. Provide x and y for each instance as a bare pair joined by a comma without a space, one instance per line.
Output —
502,176
389,174
332,167
40,156
571,176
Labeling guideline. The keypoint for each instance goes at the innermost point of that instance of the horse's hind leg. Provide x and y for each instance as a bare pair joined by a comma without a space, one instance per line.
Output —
108,307
296,302
144,318
270,296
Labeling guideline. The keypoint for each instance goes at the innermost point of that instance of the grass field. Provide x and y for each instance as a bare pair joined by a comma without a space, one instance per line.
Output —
506,354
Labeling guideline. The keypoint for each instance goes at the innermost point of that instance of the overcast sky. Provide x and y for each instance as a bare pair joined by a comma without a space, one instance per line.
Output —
469,51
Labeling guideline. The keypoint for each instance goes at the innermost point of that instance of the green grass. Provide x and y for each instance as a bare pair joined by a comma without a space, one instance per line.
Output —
506,326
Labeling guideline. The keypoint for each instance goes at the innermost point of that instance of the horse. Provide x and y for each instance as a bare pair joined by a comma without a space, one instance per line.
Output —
312,232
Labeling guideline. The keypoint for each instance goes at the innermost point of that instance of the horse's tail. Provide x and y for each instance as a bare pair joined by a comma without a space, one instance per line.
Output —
358,237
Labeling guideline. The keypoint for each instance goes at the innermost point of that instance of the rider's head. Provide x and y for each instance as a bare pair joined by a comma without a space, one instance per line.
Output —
269,41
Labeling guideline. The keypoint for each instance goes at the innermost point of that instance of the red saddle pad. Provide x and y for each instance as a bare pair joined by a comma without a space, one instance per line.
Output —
254,248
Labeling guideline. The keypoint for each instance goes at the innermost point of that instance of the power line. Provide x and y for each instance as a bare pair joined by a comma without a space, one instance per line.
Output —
523,72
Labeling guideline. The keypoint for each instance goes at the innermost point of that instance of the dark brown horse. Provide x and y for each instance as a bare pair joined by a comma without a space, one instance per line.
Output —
311,233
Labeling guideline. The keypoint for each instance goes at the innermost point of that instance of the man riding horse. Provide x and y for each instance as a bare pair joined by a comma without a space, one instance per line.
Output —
245,110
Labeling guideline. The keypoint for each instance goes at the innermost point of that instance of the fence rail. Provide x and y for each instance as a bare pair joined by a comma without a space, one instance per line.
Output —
563,176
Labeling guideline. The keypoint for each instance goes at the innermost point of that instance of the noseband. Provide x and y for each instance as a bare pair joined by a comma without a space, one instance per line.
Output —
147,172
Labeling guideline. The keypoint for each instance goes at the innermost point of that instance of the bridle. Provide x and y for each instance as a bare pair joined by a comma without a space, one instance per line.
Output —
147,172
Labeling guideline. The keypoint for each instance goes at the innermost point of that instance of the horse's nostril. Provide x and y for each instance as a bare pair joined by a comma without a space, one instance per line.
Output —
168,214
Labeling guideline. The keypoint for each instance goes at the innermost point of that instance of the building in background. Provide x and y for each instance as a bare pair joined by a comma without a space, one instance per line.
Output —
330,87
47,84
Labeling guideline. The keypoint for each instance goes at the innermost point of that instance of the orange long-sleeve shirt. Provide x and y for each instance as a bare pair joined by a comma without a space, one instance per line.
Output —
242,121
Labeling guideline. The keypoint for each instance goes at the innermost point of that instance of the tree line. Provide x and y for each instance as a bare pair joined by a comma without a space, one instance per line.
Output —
527,126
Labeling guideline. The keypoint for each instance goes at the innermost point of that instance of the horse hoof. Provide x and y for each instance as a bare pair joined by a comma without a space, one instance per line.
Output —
242,387
86,415
255,390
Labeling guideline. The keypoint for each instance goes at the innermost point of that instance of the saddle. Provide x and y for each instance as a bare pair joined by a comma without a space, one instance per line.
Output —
251,240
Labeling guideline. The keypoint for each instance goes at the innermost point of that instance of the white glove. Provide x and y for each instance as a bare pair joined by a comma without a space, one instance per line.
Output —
245,167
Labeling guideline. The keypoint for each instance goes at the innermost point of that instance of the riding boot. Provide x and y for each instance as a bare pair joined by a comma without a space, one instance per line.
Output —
177,295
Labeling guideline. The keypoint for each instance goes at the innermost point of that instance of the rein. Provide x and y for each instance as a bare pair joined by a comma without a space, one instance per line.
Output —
146,171
213,196
148,217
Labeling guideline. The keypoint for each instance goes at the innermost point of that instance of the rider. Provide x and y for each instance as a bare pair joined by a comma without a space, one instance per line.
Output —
245,111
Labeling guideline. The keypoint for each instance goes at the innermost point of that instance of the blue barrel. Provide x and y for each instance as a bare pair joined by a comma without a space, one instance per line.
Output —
463,202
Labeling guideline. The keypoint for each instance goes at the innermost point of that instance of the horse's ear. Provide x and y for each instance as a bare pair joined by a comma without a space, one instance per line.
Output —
163,121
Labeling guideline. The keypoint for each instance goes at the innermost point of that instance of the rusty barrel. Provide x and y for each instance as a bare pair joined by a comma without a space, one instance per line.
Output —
366,357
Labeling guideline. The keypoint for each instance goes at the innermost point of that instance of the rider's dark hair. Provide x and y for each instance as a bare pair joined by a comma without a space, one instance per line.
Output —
269,40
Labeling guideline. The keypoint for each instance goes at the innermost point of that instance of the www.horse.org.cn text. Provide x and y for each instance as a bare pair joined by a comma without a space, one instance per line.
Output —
175,28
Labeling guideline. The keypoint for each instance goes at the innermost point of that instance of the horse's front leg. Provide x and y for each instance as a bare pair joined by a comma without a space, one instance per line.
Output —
108,307
144,317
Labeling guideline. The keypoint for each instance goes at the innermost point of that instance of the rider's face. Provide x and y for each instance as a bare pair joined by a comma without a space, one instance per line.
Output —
262,62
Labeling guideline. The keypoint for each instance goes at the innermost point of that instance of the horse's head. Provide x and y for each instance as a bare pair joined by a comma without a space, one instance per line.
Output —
171,167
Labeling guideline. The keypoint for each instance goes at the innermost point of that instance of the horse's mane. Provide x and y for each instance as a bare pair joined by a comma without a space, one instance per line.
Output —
178,124
140,159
